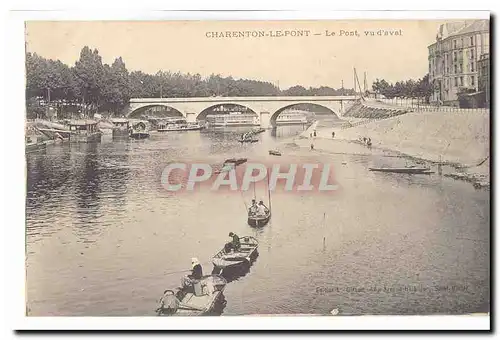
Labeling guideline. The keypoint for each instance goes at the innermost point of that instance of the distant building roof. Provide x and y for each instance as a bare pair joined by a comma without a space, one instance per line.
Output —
456,28
476,26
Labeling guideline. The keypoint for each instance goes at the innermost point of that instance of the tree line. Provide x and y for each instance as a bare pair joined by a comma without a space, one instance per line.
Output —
97,87
420,88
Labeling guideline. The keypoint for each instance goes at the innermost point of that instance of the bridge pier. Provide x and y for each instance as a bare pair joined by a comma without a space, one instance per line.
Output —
265,118
191,117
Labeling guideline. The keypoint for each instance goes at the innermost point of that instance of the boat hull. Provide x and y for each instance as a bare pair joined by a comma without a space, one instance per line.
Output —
191,304
186,129
243,256
139,135
35,147
258,221
85,138
120,133
403,170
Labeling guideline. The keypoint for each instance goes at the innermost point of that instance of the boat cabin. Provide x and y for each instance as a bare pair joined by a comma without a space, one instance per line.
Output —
84,131
83,126
120,123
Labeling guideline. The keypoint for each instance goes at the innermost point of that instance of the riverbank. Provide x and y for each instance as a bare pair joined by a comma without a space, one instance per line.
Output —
458,139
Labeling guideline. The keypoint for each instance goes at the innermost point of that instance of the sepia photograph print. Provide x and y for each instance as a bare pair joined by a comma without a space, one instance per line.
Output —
273,168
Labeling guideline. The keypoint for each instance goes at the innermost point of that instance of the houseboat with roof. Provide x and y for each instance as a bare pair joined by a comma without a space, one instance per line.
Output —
139,130
233,119
120,127
177,125
84,131
291,117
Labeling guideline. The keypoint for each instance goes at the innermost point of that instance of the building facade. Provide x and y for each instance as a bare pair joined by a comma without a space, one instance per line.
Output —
453,59
483,66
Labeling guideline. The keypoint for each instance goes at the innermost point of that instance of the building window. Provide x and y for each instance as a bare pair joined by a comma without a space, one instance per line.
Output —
472,67
461,81
472,80
456,81
455,56
472,54
455,66
472,41
454,44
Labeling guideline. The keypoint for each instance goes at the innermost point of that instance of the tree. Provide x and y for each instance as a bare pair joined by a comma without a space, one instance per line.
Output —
296,90
89,72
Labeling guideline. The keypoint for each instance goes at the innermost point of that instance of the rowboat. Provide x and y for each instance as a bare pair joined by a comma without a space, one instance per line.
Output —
248,250
248,140
274,153
405,170
256,131
235,161
259,220
202,298
230,164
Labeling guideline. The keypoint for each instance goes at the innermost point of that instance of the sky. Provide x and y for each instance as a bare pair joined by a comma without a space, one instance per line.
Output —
317,58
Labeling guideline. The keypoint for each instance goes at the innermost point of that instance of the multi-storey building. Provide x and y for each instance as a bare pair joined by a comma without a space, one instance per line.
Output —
483,66
453,59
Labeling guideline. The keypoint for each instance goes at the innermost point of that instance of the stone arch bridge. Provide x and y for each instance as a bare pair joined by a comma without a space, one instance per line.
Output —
266,108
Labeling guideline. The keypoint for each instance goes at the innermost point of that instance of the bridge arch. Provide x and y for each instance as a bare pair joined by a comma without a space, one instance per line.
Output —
275,115
136,113
206,111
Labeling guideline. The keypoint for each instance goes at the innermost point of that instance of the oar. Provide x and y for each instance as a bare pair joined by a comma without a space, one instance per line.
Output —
190,308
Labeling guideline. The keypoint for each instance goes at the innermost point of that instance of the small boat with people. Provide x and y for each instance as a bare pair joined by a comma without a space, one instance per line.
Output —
200,298
275,152
242,250
257,131
258,214
248,140
247,137
404,170
260,217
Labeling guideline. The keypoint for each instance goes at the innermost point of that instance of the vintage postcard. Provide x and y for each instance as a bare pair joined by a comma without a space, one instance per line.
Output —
271,168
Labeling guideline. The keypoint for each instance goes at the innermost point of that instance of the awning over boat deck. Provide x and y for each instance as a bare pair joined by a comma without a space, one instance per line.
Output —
82,122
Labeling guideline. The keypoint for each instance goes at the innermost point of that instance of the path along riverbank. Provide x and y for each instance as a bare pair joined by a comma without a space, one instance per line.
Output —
459,139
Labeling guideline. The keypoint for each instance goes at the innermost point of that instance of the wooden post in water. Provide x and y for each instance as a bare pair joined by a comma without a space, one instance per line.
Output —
268,190
324,237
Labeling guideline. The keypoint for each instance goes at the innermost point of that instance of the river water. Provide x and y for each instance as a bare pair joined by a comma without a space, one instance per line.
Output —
105,239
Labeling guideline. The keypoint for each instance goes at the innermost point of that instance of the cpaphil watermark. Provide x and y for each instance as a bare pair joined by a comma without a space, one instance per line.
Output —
275,177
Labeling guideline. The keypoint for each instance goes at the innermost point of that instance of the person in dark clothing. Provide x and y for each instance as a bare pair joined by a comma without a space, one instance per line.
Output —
314,133
234,244
196,273
333,134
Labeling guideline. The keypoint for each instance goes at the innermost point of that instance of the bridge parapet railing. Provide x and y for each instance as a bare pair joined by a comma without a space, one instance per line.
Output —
417,106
